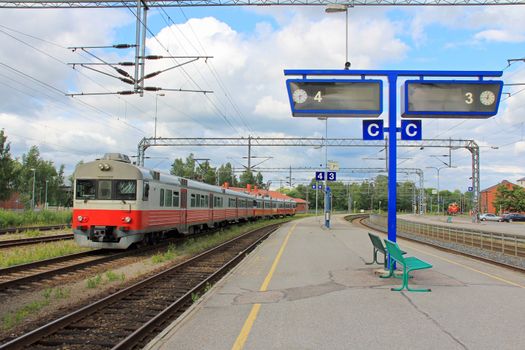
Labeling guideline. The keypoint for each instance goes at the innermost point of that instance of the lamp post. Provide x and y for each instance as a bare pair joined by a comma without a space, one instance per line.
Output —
326,193
438,170
33,196
45,201
156,107
333,8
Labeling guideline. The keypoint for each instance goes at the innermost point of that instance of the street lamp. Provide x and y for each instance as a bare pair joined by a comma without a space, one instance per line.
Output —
33,197
333,8
45,201
156,106
438,170
326,196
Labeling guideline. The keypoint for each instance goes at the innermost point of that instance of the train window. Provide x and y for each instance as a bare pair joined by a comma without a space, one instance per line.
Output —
145,192
104,189
126,189
192,201
161,197
175,199
206,201
168,198
85,189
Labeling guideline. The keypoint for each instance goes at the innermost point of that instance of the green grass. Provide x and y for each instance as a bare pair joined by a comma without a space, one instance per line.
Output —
94,282
37,252
33,218
199,244
48,295
113,276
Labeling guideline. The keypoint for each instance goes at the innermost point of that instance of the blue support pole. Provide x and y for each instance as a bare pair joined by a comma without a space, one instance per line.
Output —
392,156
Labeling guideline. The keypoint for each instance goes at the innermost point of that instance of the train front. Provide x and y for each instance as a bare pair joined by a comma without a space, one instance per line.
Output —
106,205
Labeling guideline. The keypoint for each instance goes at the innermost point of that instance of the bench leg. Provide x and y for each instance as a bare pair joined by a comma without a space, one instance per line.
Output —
375,258
390,271
405,284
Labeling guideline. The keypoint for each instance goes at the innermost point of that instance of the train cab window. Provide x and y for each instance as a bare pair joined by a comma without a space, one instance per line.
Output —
192,201
176,199
126,189
104,189
85,189
145,191
161,197
168,198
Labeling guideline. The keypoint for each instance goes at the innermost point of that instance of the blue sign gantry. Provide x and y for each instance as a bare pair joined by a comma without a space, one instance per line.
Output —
423,98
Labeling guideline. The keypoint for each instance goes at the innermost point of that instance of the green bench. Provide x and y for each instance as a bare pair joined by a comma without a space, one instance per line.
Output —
378,248
409,264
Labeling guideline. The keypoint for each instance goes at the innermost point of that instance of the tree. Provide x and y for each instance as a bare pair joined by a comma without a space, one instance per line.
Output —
246,178
510,200
226,174
7,168
206,173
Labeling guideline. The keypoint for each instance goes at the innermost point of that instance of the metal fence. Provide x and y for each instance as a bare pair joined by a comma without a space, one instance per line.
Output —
500,243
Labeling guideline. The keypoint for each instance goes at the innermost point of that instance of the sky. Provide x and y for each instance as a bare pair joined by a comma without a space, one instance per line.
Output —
250,48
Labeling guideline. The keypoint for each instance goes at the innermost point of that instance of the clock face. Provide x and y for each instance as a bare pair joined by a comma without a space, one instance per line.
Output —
299,96
487,98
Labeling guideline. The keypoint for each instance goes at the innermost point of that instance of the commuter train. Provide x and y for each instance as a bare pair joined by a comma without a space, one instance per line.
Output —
117,204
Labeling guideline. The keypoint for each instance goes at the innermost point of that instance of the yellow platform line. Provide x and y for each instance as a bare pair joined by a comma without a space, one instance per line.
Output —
248,324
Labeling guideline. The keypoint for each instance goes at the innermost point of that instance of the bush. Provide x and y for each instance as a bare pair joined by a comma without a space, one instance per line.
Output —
33,218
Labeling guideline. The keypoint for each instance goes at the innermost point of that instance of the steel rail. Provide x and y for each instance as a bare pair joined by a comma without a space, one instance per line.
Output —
33,240
29,228
139,334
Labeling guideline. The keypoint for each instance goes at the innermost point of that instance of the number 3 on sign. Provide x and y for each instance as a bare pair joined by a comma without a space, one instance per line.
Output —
318,97
468,98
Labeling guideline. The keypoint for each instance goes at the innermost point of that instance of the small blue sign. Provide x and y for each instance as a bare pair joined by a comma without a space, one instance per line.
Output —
411,130
470,189
319,187
319,175
313,187
331,176
373,130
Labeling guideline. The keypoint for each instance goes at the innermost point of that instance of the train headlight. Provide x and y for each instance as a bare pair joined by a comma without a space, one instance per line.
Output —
80,218
104,166
127,219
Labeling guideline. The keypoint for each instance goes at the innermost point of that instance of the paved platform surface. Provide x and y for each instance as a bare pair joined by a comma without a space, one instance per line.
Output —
309,288
513,228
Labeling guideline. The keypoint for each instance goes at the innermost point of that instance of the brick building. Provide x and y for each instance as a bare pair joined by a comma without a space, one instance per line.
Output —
13,203
488,196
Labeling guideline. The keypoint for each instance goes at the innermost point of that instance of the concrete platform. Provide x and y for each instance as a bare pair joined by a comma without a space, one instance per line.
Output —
309,288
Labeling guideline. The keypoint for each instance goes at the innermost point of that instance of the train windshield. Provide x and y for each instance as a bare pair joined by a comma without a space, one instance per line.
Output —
106,189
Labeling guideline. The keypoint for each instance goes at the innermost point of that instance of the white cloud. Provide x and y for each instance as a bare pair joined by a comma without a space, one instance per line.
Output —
498,35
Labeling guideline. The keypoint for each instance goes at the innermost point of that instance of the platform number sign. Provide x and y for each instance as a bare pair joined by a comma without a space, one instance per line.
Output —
331,176
319,175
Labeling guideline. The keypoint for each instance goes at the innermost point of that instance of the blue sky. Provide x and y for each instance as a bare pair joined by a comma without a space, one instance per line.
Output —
251,47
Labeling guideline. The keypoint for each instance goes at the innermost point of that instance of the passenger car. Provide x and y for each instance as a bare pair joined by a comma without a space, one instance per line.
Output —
513,217
490,217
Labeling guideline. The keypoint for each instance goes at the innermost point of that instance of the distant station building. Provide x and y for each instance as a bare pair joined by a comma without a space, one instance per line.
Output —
488,195
301,204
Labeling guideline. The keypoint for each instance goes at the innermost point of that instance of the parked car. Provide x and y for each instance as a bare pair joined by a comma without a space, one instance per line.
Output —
490,217
513,217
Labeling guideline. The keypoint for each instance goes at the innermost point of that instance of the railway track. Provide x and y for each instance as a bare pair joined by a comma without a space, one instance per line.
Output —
6,230
362,221
131,317
25,241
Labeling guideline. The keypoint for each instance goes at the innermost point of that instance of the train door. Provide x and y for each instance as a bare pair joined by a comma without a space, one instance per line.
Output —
184,209
210,209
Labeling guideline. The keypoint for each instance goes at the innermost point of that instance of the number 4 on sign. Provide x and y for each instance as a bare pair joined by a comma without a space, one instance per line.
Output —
318,97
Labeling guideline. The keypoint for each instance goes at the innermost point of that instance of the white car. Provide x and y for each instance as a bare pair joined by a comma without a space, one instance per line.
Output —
490,217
